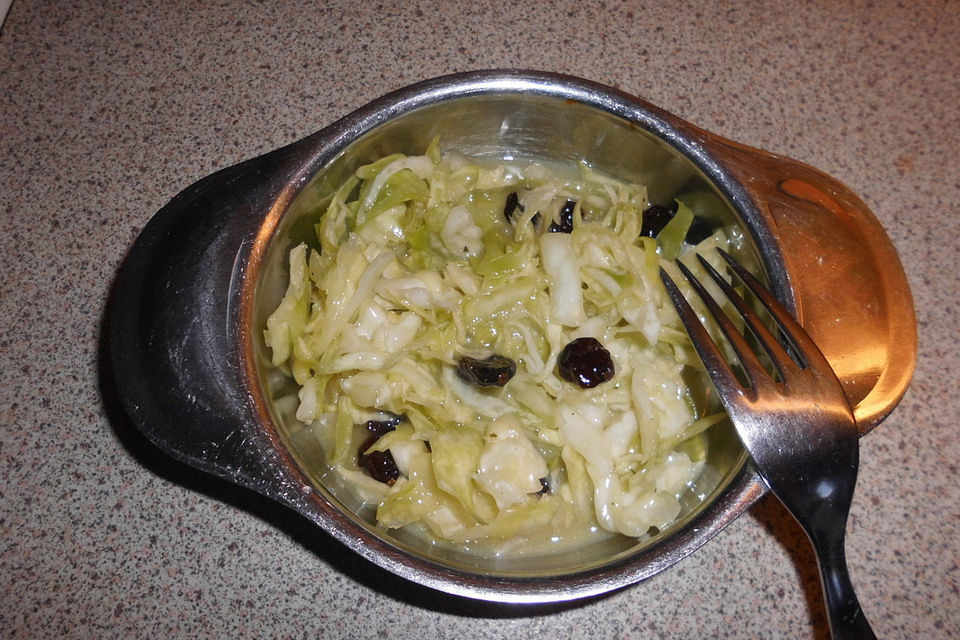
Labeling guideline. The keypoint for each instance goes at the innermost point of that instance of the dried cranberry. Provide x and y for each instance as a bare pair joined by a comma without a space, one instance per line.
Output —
700,230
513,203
492,371
565,224
656,217
379,464
545,483
380,427
585,362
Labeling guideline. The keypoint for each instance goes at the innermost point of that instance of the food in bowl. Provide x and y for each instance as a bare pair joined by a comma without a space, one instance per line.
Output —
194,294
483,350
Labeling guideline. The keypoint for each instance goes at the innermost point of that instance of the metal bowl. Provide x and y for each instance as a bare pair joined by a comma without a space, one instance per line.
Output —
193,294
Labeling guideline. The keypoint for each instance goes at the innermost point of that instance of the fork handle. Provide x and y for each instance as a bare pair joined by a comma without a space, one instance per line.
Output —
847,621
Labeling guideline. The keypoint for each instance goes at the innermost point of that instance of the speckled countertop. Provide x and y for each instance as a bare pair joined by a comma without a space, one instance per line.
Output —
109,109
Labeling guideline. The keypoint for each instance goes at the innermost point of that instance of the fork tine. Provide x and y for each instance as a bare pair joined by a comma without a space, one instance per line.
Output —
777,353
719,370
749,360
802,344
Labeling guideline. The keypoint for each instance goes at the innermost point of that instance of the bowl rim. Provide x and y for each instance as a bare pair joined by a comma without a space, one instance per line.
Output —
743,489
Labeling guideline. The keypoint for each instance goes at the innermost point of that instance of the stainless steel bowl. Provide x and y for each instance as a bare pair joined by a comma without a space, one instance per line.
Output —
193,295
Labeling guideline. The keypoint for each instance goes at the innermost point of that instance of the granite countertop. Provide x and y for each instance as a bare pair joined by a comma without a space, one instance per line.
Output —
109,109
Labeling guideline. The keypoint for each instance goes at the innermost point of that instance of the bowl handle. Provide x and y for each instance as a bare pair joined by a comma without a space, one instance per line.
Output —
851,290
173,325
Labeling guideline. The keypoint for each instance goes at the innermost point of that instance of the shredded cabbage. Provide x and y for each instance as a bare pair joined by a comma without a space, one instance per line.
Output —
424,260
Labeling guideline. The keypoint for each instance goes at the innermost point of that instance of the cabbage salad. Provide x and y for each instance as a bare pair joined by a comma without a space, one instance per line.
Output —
485,352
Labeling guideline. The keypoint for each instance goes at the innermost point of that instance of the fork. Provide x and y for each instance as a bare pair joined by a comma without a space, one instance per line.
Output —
796,424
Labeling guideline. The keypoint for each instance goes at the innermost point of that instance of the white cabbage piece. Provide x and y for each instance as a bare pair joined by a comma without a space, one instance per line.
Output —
560,264
368,389
460,235
420,165
601,441
422,290
290,316
510,467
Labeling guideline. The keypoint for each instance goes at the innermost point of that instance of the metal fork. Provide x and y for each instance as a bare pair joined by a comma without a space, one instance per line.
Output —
796,425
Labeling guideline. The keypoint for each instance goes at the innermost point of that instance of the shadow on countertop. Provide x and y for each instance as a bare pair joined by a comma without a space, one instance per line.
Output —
775,518
305,533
